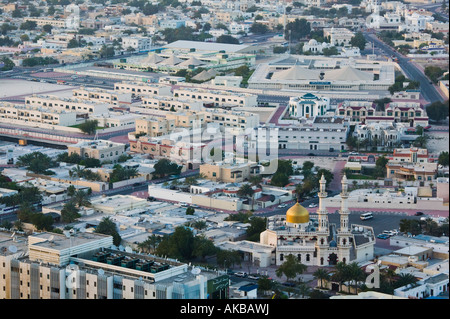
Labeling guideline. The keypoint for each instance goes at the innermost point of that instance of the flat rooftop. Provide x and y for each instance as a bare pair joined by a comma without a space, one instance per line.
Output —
61,242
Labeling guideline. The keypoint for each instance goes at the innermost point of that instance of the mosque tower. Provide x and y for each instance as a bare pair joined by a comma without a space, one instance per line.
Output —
344,233
323,231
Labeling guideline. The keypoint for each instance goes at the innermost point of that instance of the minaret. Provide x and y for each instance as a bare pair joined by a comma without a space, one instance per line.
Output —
344,209
322,244
322,211
344,234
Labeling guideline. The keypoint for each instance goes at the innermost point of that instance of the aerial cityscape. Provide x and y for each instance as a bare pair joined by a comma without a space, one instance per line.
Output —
224,149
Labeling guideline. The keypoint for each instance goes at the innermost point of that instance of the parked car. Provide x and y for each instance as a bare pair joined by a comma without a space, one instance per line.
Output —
289,284
253,276
241,274
383,236
282,206
312,205
419,214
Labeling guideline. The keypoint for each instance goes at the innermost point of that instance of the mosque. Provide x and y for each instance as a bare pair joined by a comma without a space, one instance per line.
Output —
315,241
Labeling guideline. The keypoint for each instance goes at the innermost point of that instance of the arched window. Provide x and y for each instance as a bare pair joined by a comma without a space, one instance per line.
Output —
307,257
281,257
322,241
321,260
299,257
344,260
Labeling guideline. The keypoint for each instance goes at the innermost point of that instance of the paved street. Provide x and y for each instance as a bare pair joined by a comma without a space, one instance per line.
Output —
429,92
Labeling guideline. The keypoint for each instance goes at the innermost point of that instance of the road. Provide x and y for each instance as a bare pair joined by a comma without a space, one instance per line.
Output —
428,91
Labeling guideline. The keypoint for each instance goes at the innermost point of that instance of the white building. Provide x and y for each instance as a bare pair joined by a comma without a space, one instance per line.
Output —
137,43
308,105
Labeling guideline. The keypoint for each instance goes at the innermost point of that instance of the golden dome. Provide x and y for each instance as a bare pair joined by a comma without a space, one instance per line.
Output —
297,214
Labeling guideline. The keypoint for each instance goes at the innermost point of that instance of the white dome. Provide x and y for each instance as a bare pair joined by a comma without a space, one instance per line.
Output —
312,42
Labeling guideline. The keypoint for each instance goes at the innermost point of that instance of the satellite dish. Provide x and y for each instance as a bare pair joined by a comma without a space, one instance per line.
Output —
51,238
13,234
82,230
121,248
101,272
114,247
66,233
128,249
12,249
195,271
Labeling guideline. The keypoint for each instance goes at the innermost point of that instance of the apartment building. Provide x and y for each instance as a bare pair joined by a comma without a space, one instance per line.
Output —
83,266
137,43
217,98
102,150
124,120
143,89
35,114
102,95
59,23
237,120
399,111
338,36
229,172
324,134
66,104
404,171
154,126
167,103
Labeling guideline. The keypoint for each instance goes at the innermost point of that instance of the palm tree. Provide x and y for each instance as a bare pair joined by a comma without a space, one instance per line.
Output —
255,180
246,190
321,274
81,198
78,171
303,289
341,274
356,274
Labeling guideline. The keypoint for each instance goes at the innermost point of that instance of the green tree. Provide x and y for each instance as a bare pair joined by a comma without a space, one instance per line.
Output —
190,210
298,29
28,25
443,159
246,190
380,166
291,268
179,245
70,212
81,198
25,212
203,247
257,226
149,245
434,73
438,111
108,227
165,167
321,275
89,127
36,162
225,38
47,28
259,28
8,64
42,221
279,179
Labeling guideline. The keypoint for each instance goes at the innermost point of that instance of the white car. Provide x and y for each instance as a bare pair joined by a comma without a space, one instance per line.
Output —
282,206
312,205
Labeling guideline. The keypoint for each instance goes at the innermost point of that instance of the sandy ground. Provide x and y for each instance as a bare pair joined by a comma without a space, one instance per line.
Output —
13,87
438,142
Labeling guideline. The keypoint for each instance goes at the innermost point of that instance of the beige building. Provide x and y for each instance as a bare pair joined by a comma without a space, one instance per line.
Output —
217,98
167,103
35,114
66,104
102,150
143,89
102,95
229,173
237,120
338,36
154,126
